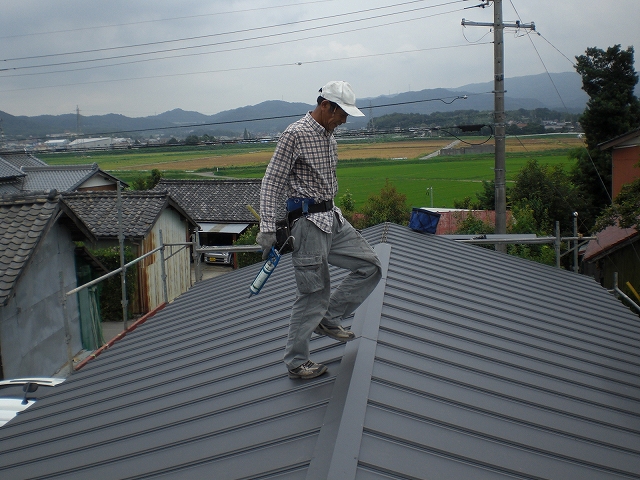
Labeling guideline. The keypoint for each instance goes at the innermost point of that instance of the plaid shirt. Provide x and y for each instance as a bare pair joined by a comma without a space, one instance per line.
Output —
303,165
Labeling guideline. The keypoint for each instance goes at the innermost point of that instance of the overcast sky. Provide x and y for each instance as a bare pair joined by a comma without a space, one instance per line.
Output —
145,57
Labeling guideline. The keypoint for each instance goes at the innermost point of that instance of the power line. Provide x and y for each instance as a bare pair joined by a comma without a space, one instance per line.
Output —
229,122
225,42
95,27
235,69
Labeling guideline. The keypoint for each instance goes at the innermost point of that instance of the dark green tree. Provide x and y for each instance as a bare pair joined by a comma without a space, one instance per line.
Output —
547,191
387,206
625,209
192,140
147,183
609,78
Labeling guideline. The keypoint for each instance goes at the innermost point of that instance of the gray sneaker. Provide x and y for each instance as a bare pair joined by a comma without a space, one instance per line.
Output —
308,369
337,333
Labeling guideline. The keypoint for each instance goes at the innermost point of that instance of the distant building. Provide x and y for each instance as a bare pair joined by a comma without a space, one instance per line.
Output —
81,143
450,218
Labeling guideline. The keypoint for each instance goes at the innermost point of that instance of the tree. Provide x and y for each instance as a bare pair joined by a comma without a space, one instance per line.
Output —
609,78
547,191
192,140
147,183
625,209
388,206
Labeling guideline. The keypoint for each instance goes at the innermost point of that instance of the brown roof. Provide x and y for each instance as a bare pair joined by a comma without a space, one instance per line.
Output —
609,239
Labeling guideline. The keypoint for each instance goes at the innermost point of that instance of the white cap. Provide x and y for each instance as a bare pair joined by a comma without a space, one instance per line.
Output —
341,93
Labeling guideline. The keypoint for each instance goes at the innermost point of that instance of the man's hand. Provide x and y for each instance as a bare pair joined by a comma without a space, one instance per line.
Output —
266,240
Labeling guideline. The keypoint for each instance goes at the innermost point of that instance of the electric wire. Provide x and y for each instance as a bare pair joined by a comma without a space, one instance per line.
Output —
299,63
228,122
233,49
233,32
187,17
637,254
227,42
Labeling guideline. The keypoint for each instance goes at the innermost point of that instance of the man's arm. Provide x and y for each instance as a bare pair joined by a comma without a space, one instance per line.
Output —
275,180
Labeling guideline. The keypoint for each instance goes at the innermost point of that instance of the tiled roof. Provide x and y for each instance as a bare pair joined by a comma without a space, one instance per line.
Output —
19,160
222,201
8,171
23,220
64,178
99,212
468,364
11,187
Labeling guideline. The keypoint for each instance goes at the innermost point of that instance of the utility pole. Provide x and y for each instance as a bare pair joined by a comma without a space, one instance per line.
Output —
498,114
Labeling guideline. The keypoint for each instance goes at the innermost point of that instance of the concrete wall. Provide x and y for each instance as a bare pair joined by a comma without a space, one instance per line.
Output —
32,333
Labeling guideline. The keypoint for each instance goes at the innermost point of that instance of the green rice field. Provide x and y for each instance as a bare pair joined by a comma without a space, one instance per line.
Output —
451,177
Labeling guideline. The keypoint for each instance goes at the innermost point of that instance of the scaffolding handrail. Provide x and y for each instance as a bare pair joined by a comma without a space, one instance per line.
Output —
114,272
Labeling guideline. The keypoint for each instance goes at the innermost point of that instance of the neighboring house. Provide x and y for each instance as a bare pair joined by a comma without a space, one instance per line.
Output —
144,215
219,206
11,174
37,260
450,218
615,250
26,173
69,178
625,158
467,364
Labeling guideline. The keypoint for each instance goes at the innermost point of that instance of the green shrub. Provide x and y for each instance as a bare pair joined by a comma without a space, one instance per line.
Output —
248,238
111,289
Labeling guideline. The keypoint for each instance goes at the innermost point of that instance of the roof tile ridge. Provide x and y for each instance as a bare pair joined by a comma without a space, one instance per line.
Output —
44,168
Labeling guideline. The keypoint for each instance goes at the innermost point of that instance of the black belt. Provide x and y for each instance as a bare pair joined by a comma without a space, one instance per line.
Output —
316,207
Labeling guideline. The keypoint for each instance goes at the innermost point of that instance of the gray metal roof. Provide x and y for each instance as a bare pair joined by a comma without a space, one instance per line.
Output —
467,364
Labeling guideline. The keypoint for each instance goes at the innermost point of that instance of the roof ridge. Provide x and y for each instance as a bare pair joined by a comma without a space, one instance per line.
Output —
42,196
44,168
114,193
211,180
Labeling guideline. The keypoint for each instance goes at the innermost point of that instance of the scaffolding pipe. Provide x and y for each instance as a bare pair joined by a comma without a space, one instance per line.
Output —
621,293
123,271
163,269
111,274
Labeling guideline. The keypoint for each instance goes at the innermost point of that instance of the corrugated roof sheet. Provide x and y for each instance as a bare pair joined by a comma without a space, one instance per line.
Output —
467,364
23,220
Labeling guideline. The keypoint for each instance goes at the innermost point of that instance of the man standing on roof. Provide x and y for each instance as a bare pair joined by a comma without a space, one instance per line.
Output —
303,167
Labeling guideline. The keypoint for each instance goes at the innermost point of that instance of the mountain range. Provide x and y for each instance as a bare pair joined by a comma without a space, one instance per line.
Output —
555,91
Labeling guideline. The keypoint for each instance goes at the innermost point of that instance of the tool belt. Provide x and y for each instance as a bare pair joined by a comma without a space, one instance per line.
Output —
297,207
